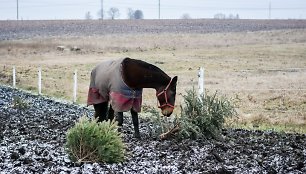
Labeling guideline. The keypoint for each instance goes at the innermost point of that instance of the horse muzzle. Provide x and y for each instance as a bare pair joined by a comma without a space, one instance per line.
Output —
167,111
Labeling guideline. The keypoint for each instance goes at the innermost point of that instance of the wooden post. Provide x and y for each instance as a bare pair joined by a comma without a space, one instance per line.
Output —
39,80
14,77
75,86
201,81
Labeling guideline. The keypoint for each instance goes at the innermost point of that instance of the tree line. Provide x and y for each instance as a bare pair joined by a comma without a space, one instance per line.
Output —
113,13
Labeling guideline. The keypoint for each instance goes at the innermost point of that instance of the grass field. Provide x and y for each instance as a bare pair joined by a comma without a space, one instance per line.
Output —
264,72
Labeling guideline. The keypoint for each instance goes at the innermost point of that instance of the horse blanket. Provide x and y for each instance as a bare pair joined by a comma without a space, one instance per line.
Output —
106,84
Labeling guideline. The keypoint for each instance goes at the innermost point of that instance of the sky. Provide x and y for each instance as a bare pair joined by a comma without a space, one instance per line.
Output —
169,9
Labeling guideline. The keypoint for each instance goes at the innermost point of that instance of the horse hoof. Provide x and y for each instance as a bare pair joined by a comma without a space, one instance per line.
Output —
119,129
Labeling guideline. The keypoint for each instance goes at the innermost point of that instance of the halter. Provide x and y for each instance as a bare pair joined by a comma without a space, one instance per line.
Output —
166,99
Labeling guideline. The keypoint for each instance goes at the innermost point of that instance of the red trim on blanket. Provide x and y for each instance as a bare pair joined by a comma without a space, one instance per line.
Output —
119,102
122,103
94,97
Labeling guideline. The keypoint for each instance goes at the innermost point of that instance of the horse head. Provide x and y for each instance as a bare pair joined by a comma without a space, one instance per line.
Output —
166,97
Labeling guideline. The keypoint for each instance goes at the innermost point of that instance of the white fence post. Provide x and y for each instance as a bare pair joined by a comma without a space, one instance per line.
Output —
39,80
75,86
201,81
14,77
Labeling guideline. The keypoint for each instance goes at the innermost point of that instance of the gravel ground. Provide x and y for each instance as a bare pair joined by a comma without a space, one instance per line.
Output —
10,30
33,138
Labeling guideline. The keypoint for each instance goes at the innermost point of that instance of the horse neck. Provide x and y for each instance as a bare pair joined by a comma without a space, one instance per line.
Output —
145,75
156,80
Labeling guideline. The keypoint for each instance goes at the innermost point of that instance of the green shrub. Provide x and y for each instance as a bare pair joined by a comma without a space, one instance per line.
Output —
202,116
89,141
205,114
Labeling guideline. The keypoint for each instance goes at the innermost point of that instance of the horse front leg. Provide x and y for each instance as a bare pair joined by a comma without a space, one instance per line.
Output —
119,118
100,111
135,123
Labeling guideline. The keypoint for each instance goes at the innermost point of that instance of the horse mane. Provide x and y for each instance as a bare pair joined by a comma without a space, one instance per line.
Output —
147,66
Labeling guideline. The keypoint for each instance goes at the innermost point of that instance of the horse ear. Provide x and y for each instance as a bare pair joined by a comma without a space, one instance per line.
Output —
174,80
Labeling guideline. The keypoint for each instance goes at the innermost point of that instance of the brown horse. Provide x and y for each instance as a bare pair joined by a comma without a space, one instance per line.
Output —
121,81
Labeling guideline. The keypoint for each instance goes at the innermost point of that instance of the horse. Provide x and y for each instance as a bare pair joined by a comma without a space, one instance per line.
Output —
119,83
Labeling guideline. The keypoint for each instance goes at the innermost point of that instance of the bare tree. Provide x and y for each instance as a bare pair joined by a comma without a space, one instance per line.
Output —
130,13
88,16
219,16
223,16
113,12
185,16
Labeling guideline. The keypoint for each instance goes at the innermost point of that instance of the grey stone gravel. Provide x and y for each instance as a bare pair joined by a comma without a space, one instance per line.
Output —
32,141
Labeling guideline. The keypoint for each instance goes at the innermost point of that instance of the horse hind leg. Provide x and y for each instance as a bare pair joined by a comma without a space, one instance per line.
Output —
135,123
111,111
119,118
100,111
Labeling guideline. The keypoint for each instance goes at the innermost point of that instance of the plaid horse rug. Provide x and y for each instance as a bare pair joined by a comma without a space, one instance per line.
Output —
106,84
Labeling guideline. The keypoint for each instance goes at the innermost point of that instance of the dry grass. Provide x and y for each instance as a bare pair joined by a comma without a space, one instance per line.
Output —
264,72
